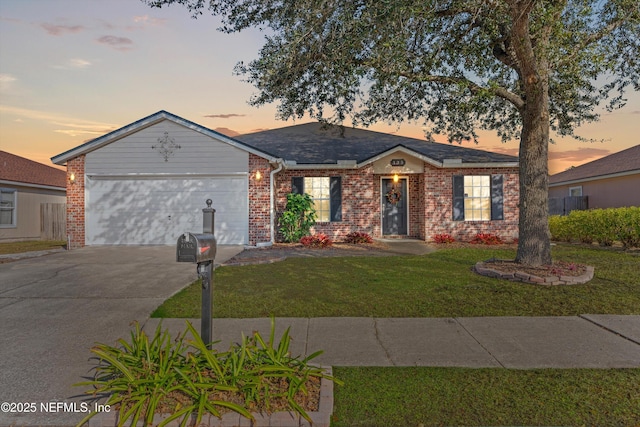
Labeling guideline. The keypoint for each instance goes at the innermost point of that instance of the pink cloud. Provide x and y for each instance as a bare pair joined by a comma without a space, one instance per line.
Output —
58,30
224,116
115,42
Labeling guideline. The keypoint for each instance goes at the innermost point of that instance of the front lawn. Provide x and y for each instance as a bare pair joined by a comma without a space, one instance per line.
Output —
440,284
389,397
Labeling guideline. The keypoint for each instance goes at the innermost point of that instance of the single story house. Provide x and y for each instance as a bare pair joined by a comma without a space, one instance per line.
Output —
147,182
30,193
610,182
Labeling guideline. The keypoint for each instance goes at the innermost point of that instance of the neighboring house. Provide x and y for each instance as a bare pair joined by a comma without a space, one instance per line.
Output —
147,183
610,182
25,186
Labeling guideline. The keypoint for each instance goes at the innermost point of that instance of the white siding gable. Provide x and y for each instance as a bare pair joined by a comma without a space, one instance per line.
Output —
198,154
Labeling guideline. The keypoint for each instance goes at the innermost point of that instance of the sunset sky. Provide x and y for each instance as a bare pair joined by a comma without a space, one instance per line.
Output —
73,70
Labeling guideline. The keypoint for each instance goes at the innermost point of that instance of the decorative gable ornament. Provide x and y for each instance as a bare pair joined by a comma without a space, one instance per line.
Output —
166,146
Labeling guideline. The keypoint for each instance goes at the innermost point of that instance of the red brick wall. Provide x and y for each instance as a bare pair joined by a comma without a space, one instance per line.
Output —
360,200
259,200
75,203
438,193
430,203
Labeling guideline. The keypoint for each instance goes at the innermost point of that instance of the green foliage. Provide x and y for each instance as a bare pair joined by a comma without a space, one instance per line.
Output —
298,217
455,66
604,226
182,378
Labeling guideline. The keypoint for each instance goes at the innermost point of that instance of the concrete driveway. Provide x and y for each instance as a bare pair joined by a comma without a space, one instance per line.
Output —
54,308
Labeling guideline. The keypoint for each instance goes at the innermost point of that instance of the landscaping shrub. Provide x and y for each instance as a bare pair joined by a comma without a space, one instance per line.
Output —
181,378
443,238
316,241
358,237
486,239
604,226
298,217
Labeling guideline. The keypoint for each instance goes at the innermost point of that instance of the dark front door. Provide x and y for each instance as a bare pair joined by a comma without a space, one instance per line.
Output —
394,207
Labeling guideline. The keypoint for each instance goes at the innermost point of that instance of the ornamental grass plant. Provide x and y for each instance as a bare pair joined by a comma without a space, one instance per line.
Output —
183,378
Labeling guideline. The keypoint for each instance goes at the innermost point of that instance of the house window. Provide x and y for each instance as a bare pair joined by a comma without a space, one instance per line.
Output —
575,191
477,198
7,208
318,189
326,194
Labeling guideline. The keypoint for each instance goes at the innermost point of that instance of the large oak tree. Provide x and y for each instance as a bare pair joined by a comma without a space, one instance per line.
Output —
521,68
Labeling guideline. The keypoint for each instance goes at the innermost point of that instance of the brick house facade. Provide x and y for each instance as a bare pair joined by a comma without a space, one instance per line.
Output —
380,184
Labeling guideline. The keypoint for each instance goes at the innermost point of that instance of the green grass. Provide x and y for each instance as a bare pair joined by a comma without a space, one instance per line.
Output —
30,246
377,397
440,284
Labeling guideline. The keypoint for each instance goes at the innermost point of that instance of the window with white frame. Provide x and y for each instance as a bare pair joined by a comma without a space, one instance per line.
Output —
7,207
478,198
326,193
318,188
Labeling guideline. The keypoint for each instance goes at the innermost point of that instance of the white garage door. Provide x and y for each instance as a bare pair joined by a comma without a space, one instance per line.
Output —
157,211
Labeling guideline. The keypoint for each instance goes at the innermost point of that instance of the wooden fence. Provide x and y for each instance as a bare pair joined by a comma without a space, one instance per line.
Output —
564,205
53,221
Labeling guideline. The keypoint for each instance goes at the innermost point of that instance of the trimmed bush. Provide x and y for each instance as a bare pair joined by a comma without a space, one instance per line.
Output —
358,237
316,241
443,238
604,226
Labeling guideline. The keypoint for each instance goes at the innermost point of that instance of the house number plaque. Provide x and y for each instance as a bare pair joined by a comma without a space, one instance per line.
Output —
397,162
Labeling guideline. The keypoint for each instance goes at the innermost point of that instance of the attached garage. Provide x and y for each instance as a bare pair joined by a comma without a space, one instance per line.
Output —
152,211
146,183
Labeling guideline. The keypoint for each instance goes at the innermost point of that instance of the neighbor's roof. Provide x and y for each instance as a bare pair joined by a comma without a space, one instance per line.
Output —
621,163
18,169
321,144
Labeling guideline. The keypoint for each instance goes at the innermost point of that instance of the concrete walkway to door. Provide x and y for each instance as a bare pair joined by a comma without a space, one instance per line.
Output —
54,308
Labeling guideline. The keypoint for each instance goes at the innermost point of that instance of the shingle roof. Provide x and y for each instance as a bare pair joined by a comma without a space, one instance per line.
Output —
316,143
18,169
622,161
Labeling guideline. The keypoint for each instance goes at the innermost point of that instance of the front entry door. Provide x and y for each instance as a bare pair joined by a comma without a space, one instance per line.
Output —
394,207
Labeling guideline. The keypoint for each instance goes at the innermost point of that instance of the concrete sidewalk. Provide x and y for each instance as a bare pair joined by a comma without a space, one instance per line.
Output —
587,341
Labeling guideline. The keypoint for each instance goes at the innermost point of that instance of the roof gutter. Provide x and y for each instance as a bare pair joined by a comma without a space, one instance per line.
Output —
595,178
272,197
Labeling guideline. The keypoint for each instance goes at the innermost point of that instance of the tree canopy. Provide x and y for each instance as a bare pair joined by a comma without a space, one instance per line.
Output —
521,68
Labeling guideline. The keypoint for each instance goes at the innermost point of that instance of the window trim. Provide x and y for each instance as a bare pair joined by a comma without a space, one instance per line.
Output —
579,187
496,197
335,194
13,209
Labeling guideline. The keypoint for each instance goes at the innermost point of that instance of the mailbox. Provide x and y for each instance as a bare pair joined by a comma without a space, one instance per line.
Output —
196,248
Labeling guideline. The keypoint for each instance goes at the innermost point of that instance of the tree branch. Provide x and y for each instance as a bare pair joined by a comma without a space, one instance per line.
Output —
587,41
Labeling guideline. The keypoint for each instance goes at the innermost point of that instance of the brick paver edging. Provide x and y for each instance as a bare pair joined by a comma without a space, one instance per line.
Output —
484,269
320,418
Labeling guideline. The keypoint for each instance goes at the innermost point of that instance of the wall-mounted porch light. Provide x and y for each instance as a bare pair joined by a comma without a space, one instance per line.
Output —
258,176
395,178
72,178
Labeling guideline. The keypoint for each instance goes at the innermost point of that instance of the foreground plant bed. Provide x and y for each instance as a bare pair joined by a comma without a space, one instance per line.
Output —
194,384
319,418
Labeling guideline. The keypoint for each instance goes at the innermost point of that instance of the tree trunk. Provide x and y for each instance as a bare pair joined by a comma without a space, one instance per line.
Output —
534,246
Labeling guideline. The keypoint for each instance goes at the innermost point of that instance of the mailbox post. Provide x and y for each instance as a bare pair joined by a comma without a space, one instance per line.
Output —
201,249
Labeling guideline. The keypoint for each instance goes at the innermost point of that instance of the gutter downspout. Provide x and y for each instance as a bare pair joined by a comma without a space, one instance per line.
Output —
272,198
